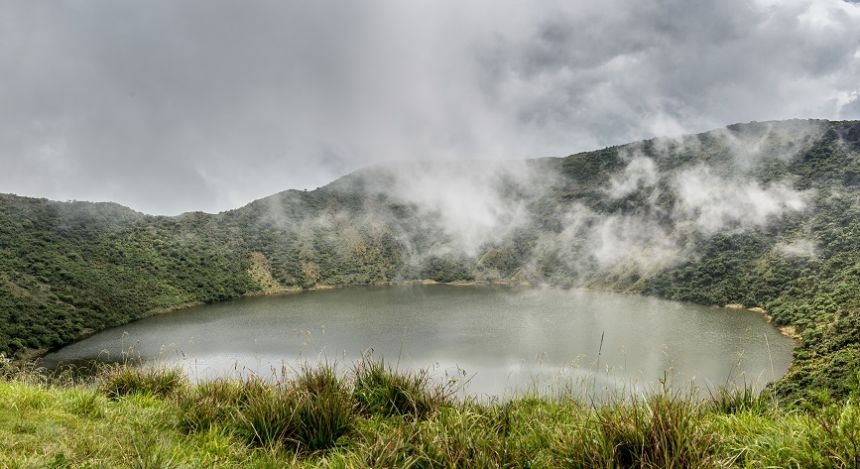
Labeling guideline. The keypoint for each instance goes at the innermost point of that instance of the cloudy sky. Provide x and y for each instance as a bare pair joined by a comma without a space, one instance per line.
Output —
176,105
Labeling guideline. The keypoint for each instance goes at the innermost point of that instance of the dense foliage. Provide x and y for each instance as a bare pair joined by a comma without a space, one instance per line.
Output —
68,269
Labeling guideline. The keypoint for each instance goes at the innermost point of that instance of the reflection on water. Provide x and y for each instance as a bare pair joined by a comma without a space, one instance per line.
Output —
495,341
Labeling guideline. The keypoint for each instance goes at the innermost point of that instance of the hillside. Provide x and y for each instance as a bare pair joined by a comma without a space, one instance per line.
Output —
759,214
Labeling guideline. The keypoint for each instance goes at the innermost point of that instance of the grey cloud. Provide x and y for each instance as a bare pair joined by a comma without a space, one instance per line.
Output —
173,106
851,110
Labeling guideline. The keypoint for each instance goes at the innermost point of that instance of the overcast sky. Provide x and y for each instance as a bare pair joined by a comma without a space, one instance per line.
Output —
176,105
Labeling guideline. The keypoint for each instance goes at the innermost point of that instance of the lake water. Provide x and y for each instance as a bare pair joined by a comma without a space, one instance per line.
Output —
495,342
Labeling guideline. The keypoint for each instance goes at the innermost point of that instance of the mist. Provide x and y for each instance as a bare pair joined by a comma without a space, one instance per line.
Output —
629,211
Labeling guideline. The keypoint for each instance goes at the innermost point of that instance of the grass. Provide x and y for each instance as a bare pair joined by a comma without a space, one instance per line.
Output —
383,391
378,417
661,431
310,413
122,379
735,400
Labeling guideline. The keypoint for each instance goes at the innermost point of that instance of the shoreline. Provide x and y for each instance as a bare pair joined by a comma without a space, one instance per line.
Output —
786,330
36,354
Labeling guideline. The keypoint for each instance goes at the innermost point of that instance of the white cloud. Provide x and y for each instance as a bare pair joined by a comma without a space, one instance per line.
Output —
640,172
715,202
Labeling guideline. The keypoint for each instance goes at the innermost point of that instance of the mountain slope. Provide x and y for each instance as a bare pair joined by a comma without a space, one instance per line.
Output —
760,214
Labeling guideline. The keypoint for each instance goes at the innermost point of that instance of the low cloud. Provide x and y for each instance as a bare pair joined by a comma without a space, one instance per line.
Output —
803,248
641,172
714,202
647,214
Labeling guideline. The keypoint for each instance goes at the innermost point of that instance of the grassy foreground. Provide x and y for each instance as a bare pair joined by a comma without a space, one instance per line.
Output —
128,417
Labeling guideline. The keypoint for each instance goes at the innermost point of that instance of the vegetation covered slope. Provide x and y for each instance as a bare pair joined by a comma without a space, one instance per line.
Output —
759,214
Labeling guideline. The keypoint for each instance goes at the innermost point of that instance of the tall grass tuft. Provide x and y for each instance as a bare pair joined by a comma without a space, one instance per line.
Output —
382,391
325,409
389,444
310,413
9,370
840,426
23,371
470,438
86,403
736,400
117,380
662,431
213,403
267,415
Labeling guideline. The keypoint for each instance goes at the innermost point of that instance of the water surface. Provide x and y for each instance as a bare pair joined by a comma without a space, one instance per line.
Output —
495,341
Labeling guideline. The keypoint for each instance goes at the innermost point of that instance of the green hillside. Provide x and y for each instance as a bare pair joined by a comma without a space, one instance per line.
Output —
761,214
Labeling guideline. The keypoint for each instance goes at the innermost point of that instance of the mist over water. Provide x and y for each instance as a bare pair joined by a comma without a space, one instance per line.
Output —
495,342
